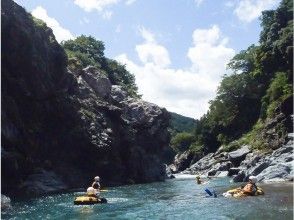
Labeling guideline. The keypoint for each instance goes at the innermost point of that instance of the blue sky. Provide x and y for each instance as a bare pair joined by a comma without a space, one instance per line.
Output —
177,49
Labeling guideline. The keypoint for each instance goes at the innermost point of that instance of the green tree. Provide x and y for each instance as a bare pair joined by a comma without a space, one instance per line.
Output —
182,141
87,51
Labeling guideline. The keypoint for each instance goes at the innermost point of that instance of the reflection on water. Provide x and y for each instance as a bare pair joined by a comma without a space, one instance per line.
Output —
174,199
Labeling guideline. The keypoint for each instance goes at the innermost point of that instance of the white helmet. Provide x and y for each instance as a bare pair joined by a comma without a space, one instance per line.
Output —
97,178
90,191
253,179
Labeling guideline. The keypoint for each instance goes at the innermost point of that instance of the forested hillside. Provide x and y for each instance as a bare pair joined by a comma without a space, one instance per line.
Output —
259,89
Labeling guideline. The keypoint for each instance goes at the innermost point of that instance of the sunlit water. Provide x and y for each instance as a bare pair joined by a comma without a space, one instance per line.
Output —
173,199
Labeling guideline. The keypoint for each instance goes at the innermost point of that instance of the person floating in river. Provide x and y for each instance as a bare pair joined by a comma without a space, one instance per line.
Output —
94,189
250,188
198,180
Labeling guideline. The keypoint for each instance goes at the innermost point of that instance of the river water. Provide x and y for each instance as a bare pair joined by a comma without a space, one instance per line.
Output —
179,198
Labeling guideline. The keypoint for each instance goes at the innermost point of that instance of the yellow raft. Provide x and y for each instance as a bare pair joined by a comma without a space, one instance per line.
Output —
88,200
238,193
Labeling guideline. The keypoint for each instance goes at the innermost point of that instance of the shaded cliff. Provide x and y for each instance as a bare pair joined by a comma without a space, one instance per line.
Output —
61,128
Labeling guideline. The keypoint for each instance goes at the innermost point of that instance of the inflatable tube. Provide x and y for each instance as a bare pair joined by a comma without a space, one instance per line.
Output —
88,200
237,193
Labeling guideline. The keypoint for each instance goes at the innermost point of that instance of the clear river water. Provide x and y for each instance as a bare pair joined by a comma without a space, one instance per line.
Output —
179,198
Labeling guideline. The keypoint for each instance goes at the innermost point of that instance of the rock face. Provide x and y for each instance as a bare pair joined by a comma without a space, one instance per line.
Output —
61,128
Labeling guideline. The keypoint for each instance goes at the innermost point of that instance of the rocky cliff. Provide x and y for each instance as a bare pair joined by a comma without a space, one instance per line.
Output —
61,128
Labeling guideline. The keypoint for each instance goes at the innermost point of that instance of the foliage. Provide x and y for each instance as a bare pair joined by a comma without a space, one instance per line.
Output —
234,145
179,123
87,51
261,81
182,141
278,91
196,148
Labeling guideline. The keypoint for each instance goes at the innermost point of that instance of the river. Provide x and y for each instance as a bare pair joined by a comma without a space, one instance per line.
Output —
179,198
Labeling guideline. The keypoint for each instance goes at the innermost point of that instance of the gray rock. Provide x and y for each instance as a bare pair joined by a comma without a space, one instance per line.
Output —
182,161
239,177
97,81
277,166
117,93
279,171
238,155
259,168
233,171
139,112
223,174
5,203
225,166
43,182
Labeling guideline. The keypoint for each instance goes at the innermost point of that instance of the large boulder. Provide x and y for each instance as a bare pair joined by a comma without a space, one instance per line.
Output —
97,81
238,155
183,160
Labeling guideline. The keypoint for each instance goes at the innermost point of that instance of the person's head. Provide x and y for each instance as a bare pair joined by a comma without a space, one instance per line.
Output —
197,177
96,178
252,179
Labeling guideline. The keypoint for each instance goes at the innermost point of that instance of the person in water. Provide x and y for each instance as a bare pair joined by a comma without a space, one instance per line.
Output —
94,189
198,180
250,188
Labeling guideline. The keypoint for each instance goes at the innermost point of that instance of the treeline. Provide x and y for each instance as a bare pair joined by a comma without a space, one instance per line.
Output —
86,50
261,80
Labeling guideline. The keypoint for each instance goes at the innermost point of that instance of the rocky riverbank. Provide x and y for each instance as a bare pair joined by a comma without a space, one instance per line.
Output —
273,164
242,163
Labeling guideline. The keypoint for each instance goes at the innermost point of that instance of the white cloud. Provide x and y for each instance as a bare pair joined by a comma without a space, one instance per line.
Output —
99,5
185,91
209,55
59,32
248,10
150,51
90,5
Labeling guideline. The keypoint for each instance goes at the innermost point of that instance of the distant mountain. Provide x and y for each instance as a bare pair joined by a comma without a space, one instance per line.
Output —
179,123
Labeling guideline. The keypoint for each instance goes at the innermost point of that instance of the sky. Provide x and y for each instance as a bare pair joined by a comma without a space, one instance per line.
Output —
177,49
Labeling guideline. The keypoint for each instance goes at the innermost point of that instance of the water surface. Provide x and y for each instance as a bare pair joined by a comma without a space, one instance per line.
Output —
173,199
